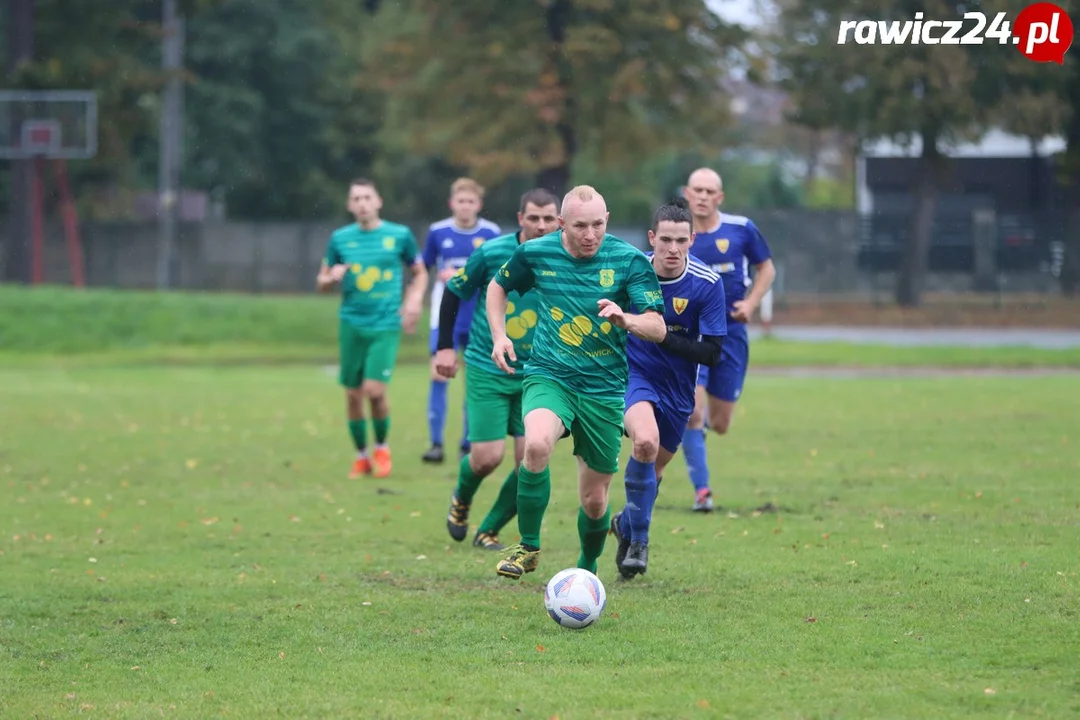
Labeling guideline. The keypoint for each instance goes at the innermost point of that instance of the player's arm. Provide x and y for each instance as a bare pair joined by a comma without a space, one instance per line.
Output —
643,287
462,286
705,351
515,274
760,258
412,307
331,270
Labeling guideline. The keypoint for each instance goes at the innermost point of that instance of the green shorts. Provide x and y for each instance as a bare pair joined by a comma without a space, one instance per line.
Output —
597,427
493,405
366,356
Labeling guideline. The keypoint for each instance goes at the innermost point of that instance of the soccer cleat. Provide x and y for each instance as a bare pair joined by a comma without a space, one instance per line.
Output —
624,540
434,455
381,462
457,520
636,560
703,501
360,467
487,541
518,562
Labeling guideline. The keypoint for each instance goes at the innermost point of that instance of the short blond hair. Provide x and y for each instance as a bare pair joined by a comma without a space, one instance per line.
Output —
465,184
581,193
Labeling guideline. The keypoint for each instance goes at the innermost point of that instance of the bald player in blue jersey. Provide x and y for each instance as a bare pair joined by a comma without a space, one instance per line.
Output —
663,376
731,245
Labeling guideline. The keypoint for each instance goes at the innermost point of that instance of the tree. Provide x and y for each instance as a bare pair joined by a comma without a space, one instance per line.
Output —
935,94
505,88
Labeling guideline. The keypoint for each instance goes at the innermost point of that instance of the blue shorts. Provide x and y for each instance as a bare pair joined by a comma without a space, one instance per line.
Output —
724,380
461,339
672,424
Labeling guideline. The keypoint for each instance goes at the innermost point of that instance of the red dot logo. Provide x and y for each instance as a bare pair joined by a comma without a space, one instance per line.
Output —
1043,33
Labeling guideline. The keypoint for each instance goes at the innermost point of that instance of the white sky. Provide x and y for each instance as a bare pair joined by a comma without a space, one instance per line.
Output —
743,12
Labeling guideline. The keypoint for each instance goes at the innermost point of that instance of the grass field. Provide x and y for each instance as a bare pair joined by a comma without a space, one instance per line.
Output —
183,542
178,538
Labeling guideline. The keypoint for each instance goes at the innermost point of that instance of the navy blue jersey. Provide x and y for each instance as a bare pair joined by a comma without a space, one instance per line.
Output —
730,250
448,247
694,305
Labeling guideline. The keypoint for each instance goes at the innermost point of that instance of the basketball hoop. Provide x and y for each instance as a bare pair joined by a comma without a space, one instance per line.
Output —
54,126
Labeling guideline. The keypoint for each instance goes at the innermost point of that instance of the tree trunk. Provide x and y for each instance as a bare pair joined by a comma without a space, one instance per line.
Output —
557,178
1070,271
909,283
20,49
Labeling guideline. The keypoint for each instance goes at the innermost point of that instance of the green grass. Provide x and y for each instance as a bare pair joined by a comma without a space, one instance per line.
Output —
183,542
68,328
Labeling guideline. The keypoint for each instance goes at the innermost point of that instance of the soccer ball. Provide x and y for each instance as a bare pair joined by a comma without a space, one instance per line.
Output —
575,598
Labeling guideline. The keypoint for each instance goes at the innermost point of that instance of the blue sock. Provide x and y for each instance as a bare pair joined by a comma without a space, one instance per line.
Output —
640,497
694,450
437,411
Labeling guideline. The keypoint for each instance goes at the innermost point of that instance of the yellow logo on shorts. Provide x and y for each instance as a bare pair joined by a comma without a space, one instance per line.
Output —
607,278
679,304
388,243
722,245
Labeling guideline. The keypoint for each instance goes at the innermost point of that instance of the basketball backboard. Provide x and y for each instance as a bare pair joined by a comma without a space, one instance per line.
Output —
59,124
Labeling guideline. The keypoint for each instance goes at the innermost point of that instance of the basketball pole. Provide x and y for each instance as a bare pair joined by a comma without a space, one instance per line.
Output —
37,220
70,217
170,131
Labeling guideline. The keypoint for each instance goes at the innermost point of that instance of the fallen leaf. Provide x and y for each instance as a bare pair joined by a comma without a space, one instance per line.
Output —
366,603
93,560
281,656
978,494
294,518
990,691
677,530
173,621
191,463
703,703
320,650
615,616
421,557
539,648
210,520
811,619
813,452
136,667
415,513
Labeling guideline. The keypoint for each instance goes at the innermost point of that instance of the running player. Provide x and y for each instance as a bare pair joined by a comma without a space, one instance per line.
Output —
366,258
493,399
730,245
449,244
575,380
660,393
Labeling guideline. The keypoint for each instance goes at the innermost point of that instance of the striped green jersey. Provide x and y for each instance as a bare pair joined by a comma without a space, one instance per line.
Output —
521,312
372,288
572,345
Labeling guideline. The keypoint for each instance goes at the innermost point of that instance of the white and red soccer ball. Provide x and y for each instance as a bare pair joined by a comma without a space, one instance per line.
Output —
575,598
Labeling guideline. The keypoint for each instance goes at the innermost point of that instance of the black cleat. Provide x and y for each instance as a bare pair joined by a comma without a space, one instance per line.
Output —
636,560
624,540
487,541
434,455
457,519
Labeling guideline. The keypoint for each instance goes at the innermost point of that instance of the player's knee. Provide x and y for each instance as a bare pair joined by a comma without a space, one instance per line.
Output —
537,452
375,391
595,502
646,446
697,419
355,399
483,459
720,422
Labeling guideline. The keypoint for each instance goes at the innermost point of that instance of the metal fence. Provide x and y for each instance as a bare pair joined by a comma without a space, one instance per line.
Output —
817,253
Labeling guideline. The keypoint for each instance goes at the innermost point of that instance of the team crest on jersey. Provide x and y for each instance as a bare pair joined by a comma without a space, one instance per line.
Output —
477,242
388,243
607,278
679,304
723,244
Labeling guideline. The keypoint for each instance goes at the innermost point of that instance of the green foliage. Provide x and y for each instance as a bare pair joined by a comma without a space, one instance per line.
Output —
505,88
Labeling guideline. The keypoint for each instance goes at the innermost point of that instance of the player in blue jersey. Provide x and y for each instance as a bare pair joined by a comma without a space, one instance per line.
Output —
663,376
449,244
730,245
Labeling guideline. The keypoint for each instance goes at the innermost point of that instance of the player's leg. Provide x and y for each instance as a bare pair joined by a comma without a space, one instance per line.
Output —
726,388
436,408
693,443
352,351
378,370
640,479
548,411
598,433
460,341
669,430
505,508
485,396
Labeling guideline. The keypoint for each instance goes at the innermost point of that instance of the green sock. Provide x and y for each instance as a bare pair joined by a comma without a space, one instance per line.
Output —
382,429
593,534
534,492
505,507
467,482
358,430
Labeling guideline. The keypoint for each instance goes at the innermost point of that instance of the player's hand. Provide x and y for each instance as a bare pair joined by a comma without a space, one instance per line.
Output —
612,312
337,272
445,275
410,316
742,310
446,362
504,348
